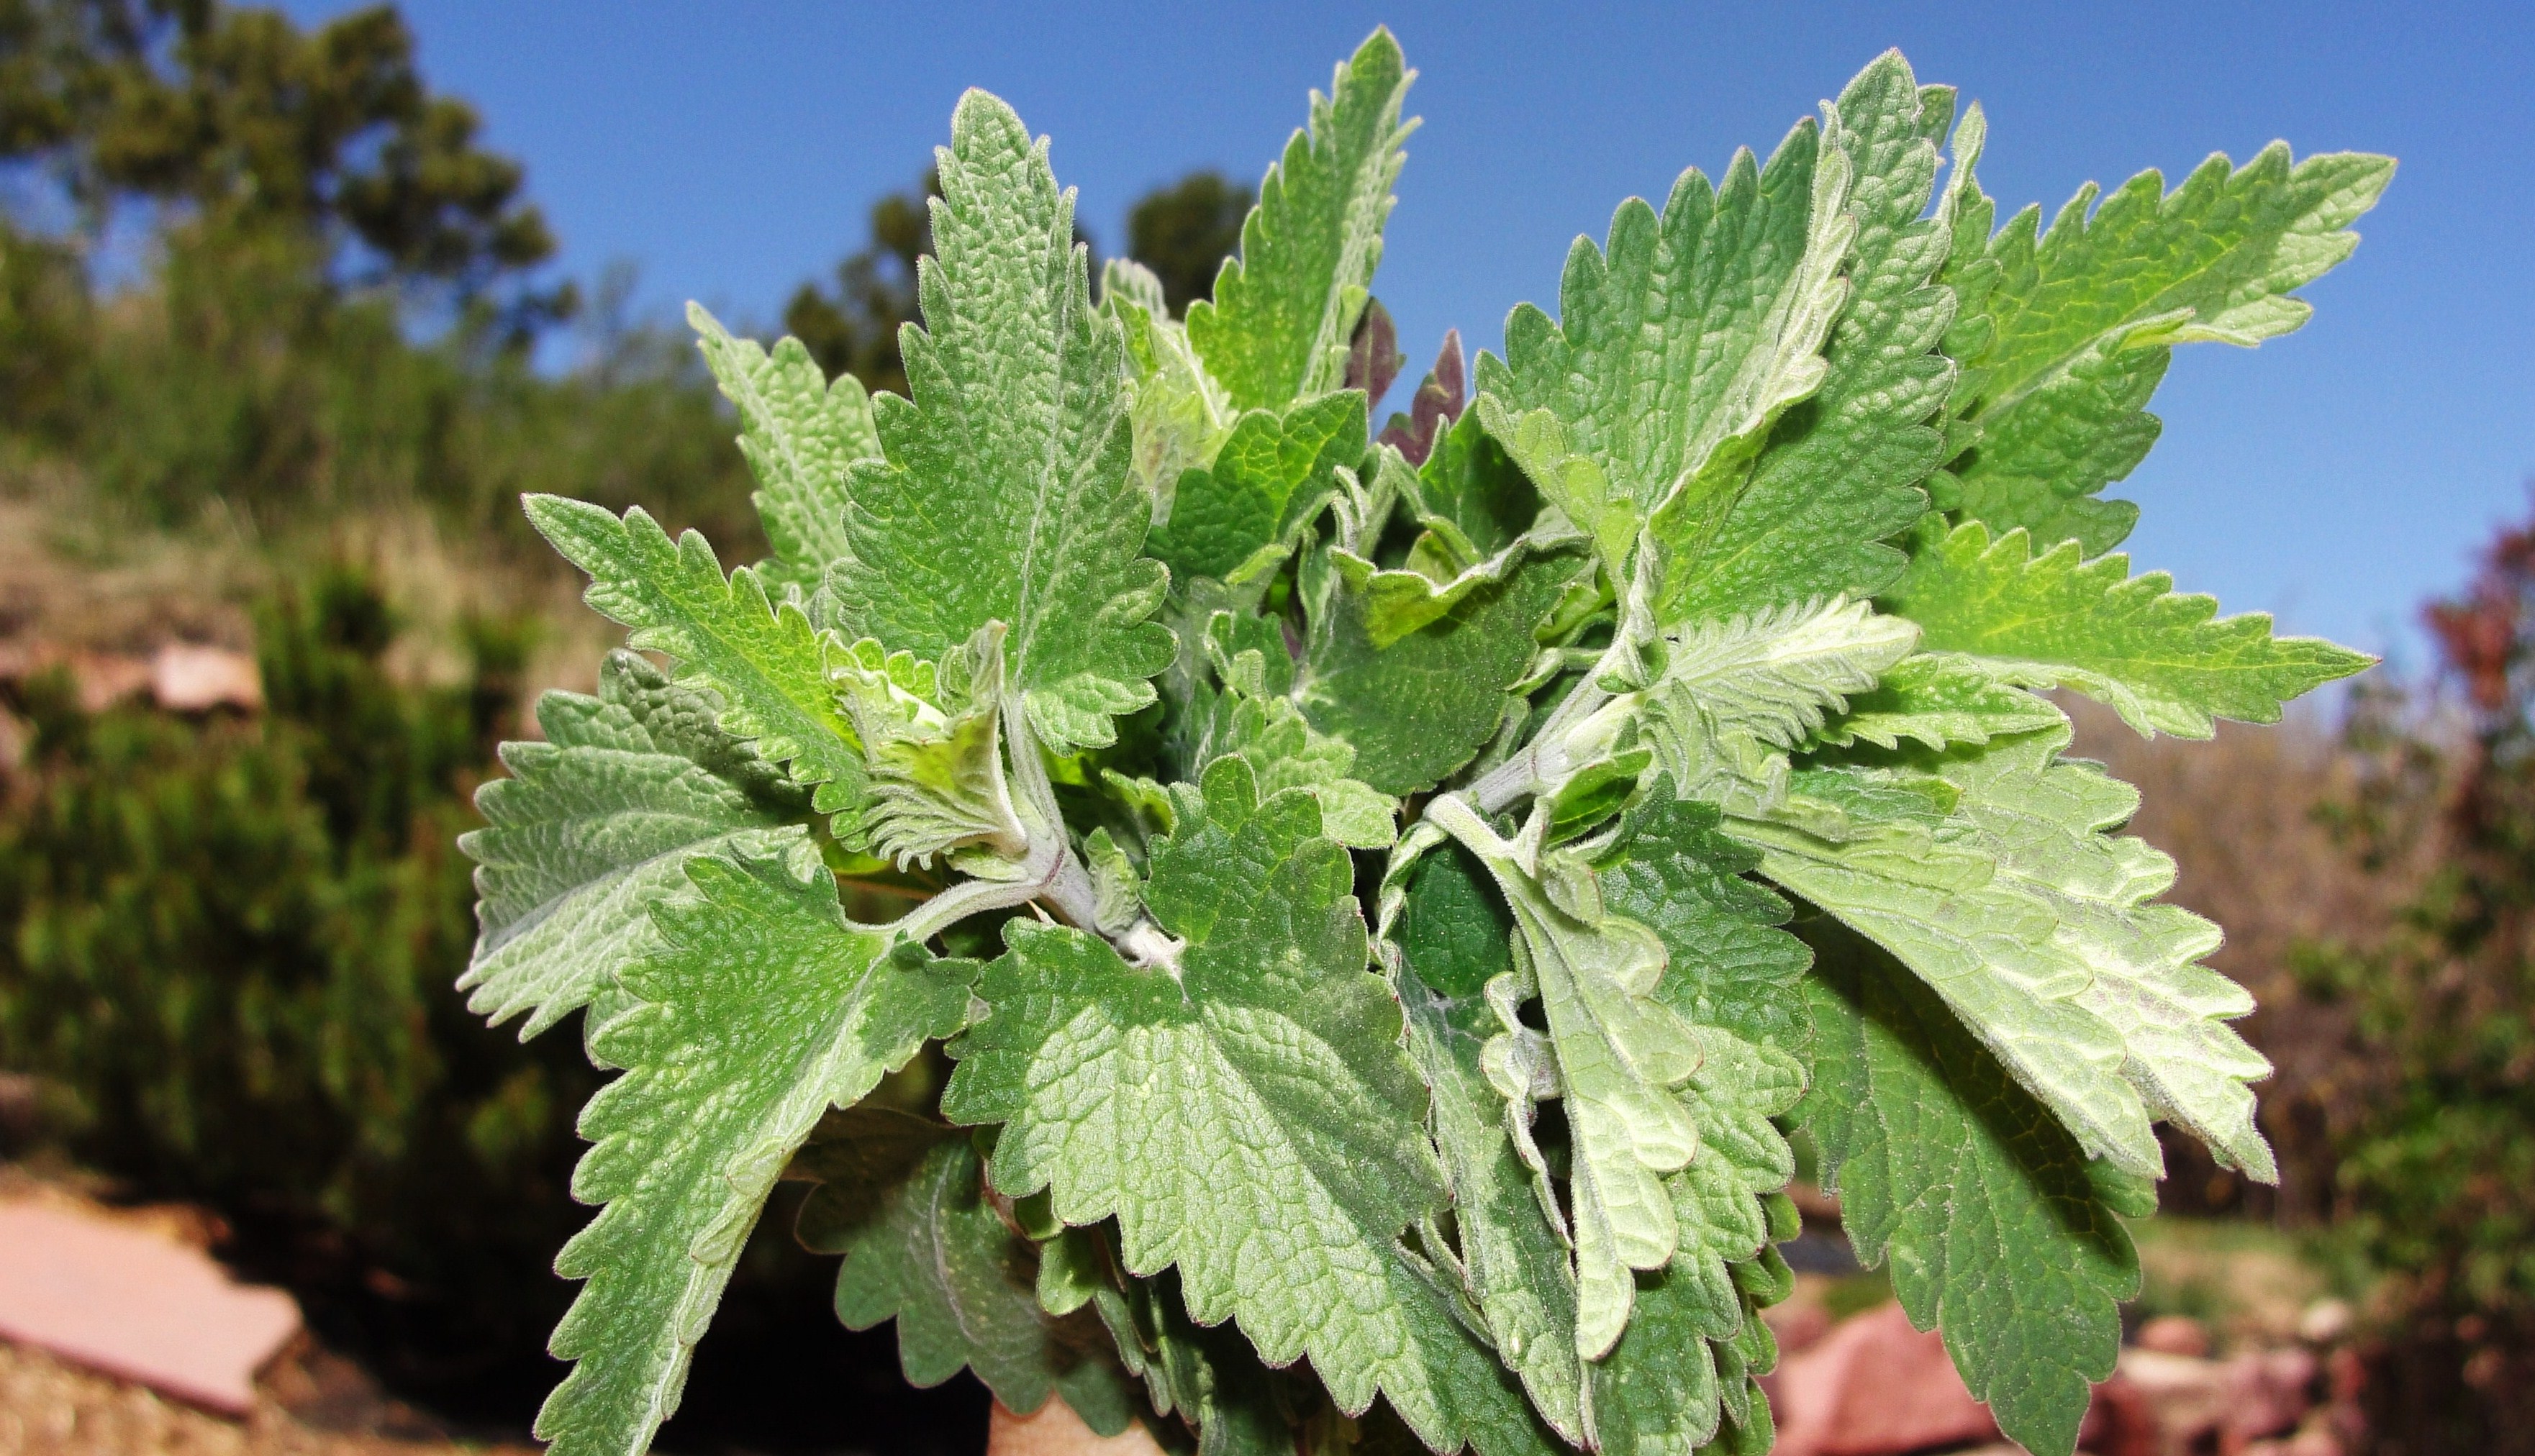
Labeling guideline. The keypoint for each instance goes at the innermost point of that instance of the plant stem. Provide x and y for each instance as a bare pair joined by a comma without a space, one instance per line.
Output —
1051,872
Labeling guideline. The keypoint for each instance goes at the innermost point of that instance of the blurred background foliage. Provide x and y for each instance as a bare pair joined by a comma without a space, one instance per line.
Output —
269,313
227,964
268,324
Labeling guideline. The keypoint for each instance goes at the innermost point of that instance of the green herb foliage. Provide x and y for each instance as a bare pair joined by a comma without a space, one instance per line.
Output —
1412,821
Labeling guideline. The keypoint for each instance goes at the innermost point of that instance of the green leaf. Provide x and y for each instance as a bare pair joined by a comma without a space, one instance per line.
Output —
1842,475
1735,978
1845,802
1570,474
1733,968
766,662
1938,698
799,433
1997,1227
1244,1112
901,1198
1211,1378
1418,710
1269,477
1453,938
594,824
2068,333
1988,944
2156,657
1252,717
1180,416
932,736
2041,820
1664,1388
1677,346
1467,483
1754,1434
1278,327
1614,1053
759,1008
1734,696
1007,493
1442,570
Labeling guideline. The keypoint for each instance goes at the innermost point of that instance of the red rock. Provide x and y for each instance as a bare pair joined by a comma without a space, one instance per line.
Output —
2346,1375
1876,1387
1053,1429
2309,1440
2120,1421
188,679
2189,1395
137,1307
2174,1334
1800,1323
105,679
2266,1394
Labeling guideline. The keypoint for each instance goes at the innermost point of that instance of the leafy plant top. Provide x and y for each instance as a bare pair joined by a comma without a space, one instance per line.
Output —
1371,904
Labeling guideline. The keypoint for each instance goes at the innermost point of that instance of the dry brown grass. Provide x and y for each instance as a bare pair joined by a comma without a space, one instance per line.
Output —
49,1408
60,591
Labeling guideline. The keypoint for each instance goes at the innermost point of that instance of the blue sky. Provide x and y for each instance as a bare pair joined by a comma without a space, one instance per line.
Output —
2335,477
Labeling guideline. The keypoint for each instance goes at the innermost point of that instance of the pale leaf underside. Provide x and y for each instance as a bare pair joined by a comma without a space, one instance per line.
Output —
595,824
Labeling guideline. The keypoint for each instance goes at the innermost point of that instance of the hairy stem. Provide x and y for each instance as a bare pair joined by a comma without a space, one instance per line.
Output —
1051,872
1576,731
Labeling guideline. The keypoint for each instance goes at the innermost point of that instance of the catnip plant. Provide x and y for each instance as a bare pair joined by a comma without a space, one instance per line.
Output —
1372,906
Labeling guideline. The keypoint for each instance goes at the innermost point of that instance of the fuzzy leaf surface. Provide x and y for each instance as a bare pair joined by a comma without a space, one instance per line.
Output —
932,740
1454,936
1678,343
1007,493
2164,660
1249,1116
1269,477
758,1008
1659,1388
1988,944
2066,333
764,661
1469,482
1399,600
1420,709
1734,979
799,433
1735,696
596,822
1997,1227
1181,414
1939,699
2042,819
1282,314
1679,1373
1843,475
1251,715
904,1200
1618,1052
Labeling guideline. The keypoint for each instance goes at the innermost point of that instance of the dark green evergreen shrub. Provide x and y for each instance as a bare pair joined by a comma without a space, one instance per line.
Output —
224,947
